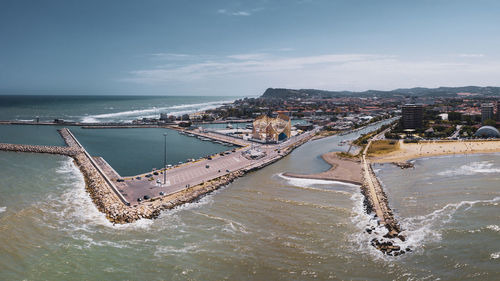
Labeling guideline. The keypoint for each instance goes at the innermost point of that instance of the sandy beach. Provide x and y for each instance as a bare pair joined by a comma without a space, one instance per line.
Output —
408,151
343,170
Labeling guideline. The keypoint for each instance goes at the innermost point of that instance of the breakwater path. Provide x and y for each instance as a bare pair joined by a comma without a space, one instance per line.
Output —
376,202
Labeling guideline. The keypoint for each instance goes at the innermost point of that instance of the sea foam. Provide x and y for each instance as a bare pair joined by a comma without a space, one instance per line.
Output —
151,112
418,230
303,182
483,167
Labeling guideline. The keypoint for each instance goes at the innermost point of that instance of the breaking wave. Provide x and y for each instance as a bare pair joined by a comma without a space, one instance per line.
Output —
417,230
130,115
483,167
493,227
75,209
302,182
2,209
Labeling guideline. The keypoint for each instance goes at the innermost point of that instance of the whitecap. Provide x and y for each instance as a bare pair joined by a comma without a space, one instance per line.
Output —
151,112
2,209
417,230
171,250
483,167
230,225
75,208
493,227
309,182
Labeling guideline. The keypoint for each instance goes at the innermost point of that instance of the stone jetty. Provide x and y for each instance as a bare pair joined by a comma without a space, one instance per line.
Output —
404,165
68,151
376,202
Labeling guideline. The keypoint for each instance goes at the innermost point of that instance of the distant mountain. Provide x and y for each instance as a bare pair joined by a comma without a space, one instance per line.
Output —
278,93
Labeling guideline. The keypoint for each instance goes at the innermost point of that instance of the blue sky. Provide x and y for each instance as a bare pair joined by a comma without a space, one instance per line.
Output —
243,47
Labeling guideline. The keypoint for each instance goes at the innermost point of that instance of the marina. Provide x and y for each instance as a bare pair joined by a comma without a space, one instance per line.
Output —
126,199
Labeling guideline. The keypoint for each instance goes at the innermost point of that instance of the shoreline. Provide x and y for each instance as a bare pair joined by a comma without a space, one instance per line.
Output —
341,169
410,151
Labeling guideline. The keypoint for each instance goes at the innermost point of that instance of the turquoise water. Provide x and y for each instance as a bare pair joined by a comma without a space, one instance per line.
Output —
34,135
102,108
134,151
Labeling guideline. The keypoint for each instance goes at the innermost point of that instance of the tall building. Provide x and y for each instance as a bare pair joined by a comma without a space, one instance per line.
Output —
413,116
486,112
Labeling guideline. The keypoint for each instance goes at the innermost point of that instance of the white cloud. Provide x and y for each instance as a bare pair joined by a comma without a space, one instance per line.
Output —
252,72
238,13
470,55
170,56
250,56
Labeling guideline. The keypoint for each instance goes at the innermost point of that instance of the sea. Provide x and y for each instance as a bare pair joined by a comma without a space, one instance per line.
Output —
263,226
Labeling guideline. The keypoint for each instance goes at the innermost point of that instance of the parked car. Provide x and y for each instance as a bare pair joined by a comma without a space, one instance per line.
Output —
207,166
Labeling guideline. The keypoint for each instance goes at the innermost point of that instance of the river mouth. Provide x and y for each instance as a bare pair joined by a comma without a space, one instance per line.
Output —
258,227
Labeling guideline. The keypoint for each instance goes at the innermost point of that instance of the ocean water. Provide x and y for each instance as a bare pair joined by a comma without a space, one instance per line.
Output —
102,108
31,134
263,226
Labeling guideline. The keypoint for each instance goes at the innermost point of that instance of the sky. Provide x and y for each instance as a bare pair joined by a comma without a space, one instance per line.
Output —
170,47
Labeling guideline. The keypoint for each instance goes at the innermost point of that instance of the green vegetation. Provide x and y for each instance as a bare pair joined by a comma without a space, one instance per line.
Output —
382,147
490,122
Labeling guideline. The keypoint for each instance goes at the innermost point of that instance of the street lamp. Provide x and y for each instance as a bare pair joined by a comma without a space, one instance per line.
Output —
165,161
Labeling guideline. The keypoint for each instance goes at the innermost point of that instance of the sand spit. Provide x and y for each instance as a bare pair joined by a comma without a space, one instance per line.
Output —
342,169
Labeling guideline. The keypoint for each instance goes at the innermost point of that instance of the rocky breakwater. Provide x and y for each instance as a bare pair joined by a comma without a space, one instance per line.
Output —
152,207
68,151
404,165
107,201
69,139
388,243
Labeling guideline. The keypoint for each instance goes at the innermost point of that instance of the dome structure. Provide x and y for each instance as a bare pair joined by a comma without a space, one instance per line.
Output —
487,132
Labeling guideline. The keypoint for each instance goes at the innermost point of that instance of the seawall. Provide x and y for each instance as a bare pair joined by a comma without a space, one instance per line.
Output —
376,202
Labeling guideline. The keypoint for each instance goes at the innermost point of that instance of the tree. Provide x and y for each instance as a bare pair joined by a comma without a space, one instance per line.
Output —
490,122
454,116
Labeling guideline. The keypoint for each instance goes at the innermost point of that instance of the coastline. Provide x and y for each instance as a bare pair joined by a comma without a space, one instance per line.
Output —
342,170
409,151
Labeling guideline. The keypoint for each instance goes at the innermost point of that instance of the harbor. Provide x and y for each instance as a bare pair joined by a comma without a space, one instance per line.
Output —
127,199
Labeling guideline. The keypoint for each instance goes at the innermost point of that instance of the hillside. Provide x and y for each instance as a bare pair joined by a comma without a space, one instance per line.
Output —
271,93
